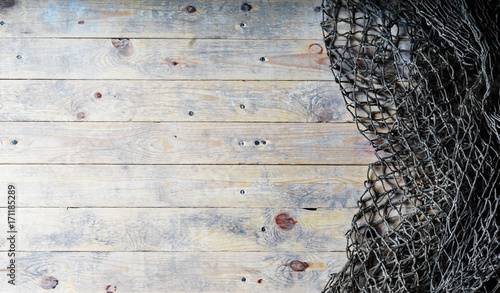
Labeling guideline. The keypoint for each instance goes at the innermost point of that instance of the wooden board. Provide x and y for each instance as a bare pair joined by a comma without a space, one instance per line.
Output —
185,186
211,101
129,129
173,272
180,229
165,59
294,19
182,143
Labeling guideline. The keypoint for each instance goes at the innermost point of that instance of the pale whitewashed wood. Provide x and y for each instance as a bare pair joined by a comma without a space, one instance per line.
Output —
182,143
185,186
180,229
166,59
266,101
295,19
160,205
172,272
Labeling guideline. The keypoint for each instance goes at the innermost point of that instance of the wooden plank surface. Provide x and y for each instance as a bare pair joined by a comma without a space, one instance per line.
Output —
261,19
211,101
165,59
182,143
180,229
129,129
185,186
173,272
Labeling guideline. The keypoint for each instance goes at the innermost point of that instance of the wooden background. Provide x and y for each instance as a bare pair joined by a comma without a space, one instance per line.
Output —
130,129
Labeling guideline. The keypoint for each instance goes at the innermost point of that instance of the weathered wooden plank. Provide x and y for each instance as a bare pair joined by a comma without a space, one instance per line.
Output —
267,101
171,19
294,19
180,229
171,272
166,59
185,186
182,143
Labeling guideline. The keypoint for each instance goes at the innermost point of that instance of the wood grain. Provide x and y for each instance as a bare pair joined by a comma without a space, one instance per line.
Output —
212,101
293,19
164,59
185,186
172,272
182,143
129,129
180,229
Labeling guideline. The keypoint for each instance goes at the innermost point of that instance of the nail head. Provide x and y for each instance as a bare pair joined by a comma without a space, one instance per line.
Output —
191,113
242,191
14,142
241,143
2,23
242,106
19,57
263,229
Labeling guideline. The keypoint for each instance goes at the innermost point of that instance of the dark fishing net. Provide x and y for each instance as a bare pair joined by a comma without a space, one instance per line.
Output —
421,79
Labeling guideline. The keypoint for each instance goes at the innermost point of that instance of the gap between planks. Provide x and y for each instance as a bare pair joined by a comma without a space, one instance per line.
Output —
173,272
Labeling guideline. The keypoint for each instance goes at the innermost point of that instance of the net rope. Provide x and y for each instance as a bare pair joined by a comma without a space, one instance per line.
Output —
421,79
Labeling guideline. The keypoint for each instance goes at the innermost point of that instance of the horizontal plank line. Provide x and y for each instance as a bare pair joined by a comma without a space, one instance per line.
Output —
166,79
170,251
174,80
150,38
179,164
177,121
166,207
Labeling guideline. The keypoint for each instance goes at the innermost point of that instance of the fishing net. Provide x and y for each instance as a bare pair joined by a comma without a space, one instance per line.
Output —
421,79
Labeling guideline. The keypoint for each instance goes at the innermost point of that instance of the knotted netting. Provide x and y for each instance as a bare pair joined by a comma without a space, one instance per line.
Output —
421,79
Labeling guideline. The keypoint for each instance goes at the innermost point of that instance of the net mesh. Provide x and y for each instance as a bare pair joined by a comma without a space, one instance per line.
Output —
421,79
